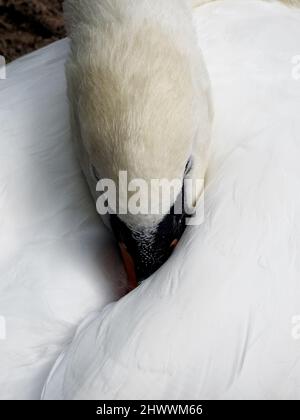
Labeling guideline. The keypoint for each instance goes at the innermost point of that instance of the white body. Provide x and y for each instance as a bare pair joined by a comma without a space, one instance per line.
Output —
221,319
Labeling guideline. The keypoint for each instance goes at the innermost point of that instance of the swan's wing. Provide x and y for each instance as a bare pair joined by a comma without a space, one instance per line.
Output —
57,262
220,318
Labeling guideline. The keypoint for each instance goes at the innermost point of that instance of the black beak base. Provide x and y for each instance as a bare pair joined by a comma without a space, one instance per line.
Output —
150,249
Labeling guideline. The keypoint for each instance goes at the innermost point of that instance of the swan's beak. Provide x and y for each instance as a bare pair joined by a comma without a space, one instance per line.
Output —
130,266
144,252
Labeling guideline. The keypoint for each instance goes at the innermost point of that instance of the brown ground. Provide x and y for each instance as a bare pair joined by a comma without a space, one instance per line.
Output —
26,25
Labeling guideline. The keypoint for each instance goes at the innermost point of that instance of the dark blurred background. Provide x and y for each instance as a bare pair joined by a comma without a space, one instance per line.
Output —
26,25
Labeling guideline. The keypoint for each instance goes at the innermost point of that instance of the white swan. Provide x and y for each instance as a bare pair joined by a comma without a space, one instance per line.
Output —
221,319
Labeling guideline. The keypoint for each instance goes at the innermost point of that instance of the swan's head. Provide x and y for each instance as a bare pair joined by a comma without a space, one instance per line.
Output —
144,115
147,215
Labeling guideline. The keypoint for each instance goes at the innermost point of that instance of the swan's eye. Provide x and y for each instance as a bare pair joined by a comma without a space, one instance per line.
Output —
188,166
95,173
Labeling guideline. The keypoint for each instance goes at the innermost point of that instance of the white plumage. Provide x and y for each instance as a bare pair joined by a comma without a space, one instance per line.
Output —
221,318
57,261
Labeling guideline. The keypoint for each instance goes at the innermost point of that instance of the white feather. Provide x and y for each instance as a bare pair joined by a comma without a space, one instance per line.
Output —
221,319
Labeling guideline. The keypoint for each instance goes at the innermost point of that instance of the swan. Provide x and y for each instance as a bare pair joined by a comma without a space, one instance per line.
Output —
140,102
220,319
231,284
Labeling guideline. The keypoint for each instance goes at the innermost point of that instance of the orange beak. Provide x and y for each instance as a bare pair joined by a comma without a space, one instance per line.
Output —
129,267
174,243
